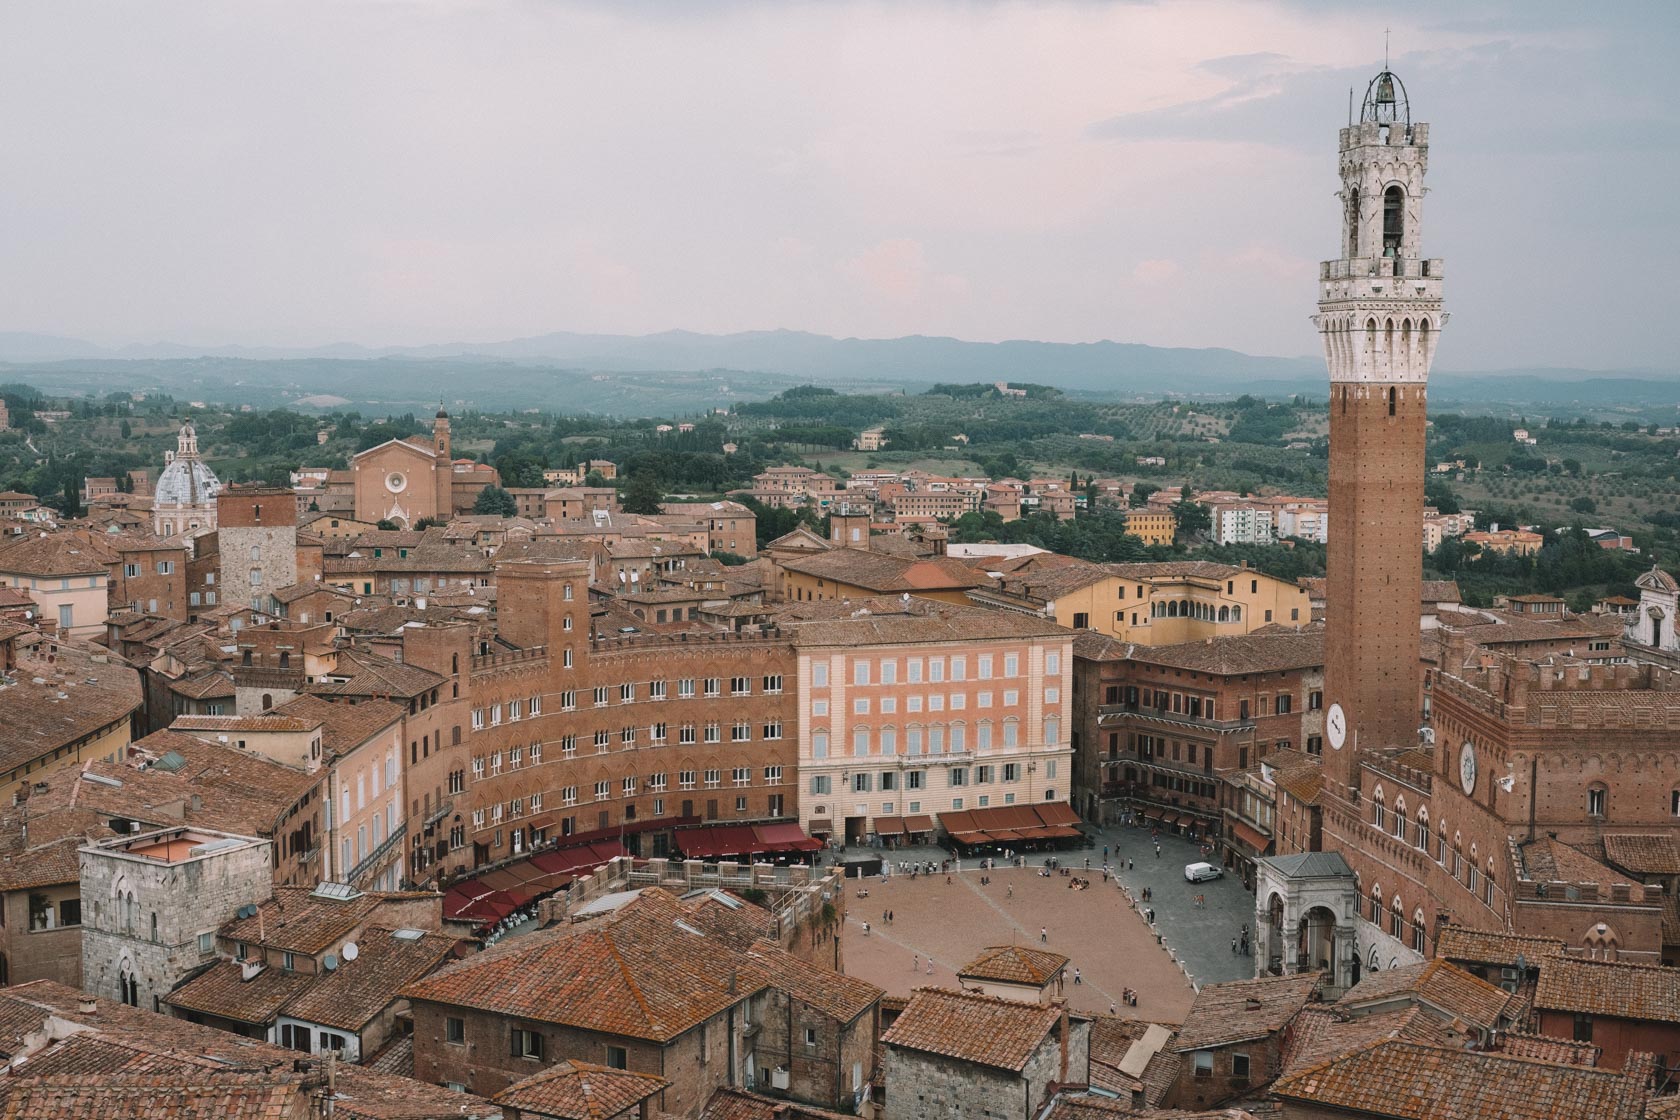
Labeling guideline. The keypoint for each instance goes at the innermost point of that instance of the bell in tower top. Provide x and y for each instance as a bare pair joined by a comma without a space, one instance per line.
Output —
1385,101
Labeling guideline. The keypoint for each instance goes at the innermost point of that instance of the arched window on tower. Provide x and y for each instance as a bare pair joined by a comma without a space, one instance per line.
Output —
1352,223
1391,400
1394,219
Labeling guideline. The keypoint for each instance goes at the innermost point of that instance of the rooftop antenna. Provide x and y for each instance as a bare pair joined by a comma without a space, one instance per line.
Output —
1385,48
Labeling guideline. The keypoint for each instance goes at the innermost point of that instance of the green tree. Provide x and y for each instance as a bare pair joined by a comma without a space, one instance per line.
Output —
495,500
1583,504
126,429
1193,518
1141,492
594,478
641,493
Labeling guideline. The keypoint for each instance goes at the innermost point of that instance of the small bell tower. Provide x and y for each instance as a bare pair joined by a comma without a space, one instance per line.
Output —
440,434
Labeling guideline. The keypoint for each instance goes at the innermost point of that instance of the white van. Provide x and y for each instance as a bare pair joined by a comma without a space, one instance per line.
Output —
1201,872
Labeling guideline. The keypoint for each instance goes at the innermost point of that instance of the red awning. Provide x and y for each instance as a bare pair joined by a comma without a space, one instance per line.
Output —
713,841
1056,812
824,825
958,821
918,822
1014,816
472,901
889,826
784,837
1251,836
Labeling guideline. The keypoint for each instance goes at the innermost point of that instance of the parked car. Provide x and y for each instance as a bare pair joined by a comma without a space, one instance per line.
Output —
1202,872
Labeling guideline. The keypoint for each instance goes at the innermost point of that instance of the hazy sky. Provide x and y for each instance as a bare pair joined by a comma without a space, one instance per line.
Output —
414,171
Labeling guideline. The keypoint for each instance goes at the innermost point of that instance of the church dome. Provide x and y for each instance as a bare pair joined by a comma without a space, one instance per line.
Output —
186,482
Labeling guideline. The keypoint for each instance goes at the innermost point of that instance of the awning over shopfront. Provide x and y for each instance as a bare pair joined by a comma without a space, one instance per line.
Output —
493,895
1007,824
889,826
714,841
918,822
1251,836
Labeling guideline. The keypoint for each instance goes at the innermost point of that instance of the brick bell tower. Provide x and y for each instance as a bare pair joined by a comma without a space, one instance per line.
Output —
1379,315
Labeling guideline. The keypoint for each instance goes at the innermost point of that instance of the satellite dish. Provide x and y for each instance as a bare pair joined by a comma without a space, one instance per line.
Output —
329,962
352,950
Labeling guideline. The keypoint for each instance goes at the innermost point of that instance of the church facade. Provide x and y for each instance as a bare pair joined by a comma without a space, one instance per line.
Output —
406,480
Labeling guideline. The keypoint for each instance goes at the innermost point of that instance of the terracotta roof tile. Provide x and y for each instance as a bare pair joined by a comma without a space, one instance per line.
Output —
364,1094
1244,1009
1646,854
835,994
1320,1034
1407,1080
985,1030
640,974
222,991
77,695
879,573
738,1104
351,995
579,1091
1611,988
1014,964
1438,984
344,727
1484,947
885,621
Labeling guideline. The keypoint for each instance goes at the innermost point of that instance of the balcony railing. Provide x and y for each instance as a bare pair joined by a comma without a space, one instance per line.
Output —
1109,712
377,856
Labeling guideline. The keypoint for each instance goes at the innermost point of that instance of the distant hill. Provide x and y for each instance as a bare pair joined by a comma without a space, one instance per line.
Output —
530,371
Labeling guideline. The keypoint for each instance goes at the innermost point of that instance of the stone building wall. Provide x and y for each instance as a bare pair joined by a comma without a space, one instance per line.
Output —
142,918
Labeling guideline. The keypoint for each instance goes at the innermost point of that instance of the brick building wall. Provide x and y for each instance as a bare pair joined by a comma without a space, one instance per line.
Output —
696,1062
1615,1037
32,953
152,580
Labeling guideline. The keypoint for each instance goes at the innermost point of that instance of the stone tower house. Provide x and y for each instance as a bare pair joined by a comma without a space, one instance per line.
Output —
1379,315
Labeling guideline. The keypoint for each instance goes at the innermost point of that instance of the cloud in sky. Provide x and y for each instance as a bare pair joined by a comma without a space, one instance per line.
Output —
435,170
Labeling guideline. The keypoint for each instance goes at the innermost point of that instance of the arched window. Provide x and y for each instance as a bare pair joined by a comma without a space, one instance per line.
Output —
1224,614
1396,919
1352,223
1417,930
1376,903
1487,885
1394,220
1374,963
1400,817
1598,799
1172,609
1379,810
1391,389
1236,614
1423,828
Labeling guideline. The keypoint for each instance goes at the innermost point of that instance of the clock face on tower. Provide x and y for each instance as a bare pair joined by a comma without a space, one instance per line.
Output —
1335,726
1467,768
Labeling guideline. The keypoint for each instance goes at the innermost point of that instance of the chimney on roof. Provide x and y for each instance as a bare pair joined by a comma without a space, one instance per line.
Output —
87,1005
1252,1003
734,980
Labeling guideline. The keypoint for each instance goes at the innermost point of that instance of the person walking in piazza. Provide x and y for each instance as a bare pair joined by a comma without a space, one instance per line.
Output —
1043,934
